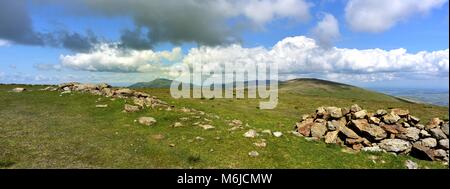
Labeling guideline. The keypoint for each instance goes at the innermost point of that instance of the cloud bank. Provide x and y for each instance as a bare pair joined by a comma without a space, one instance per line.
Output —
376,16
293,55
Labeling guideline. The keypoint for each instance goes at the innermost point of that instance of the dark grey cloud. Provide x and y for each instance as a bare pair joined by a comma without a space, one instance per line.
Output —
16,26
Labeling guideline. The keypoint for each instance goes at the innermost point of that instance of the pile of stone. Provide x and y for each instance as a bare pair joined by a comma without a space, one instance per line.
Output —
140,100
396,131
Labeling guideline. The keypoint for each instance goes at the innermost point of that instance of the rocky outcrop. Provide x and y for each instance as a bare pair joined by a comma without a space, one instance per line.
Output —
393,131
140,100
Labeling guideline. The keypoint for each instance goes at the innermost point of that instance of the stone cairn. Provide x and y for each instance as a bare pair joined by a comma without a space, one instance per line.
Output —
396,131
140,100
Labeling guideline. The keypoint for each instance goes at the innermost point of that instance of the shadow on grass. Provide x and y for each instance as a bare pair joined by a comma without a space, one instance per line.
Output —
6,164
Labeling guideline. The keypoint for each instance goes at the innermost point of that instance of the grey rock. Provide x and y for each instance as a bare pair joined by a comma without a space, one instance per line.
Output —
250,134
411,165
18,90
355,108
391,118
443,144
253,154
420,126
411,134
428,142
437,134
444,128
395,145
360,114
372,149
381,113
277,134
424,134
440,153
334,112
318,130
130,108
149,121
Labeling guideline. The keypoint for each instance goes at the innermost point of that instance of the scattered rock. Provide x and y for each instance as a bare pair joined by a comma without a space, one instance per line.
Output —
253,154
149,121
18,90
177,124
277,134
250,134
411,165
207,127
131,108
372,149
199,138
172,145
101,106
267,131
261,144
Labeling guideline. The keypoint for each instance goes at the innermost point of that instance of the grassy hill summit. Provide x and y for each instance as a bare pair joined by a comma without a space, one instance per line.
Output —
157,83
54,129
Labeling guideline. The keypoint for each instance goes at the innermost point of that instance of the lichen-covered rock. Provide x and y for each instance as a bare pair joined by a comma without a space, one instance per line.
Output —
411,134
437,134
318,129
391,118
149,121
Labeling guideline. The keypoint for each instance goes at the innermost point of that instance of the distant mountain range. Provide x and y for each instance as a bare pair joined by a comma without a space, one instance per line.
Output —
308,85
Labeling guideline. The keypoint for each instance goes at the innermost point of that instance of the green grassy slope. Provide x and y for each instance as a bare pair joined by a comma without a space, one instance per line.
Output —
41,129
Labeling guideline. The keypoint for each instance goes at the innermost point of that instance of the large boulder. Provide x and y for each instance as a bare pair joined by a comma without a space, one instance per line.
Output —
395,145
318,129
437,134
336,124
411,134
372,131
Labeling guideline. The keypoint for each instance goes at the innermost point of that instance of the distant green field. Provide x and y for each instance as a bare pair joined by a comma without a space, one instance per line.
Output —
41,129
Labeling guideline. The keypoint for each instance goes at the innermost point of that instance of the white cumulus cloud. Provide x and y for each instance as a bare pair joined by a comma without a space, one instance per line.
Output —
293,55
380,15
111,58
327,30
4,43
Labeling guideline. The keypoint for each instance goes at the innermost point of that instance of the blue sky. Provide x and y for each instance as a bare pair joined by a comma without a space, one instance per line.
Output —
418,26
